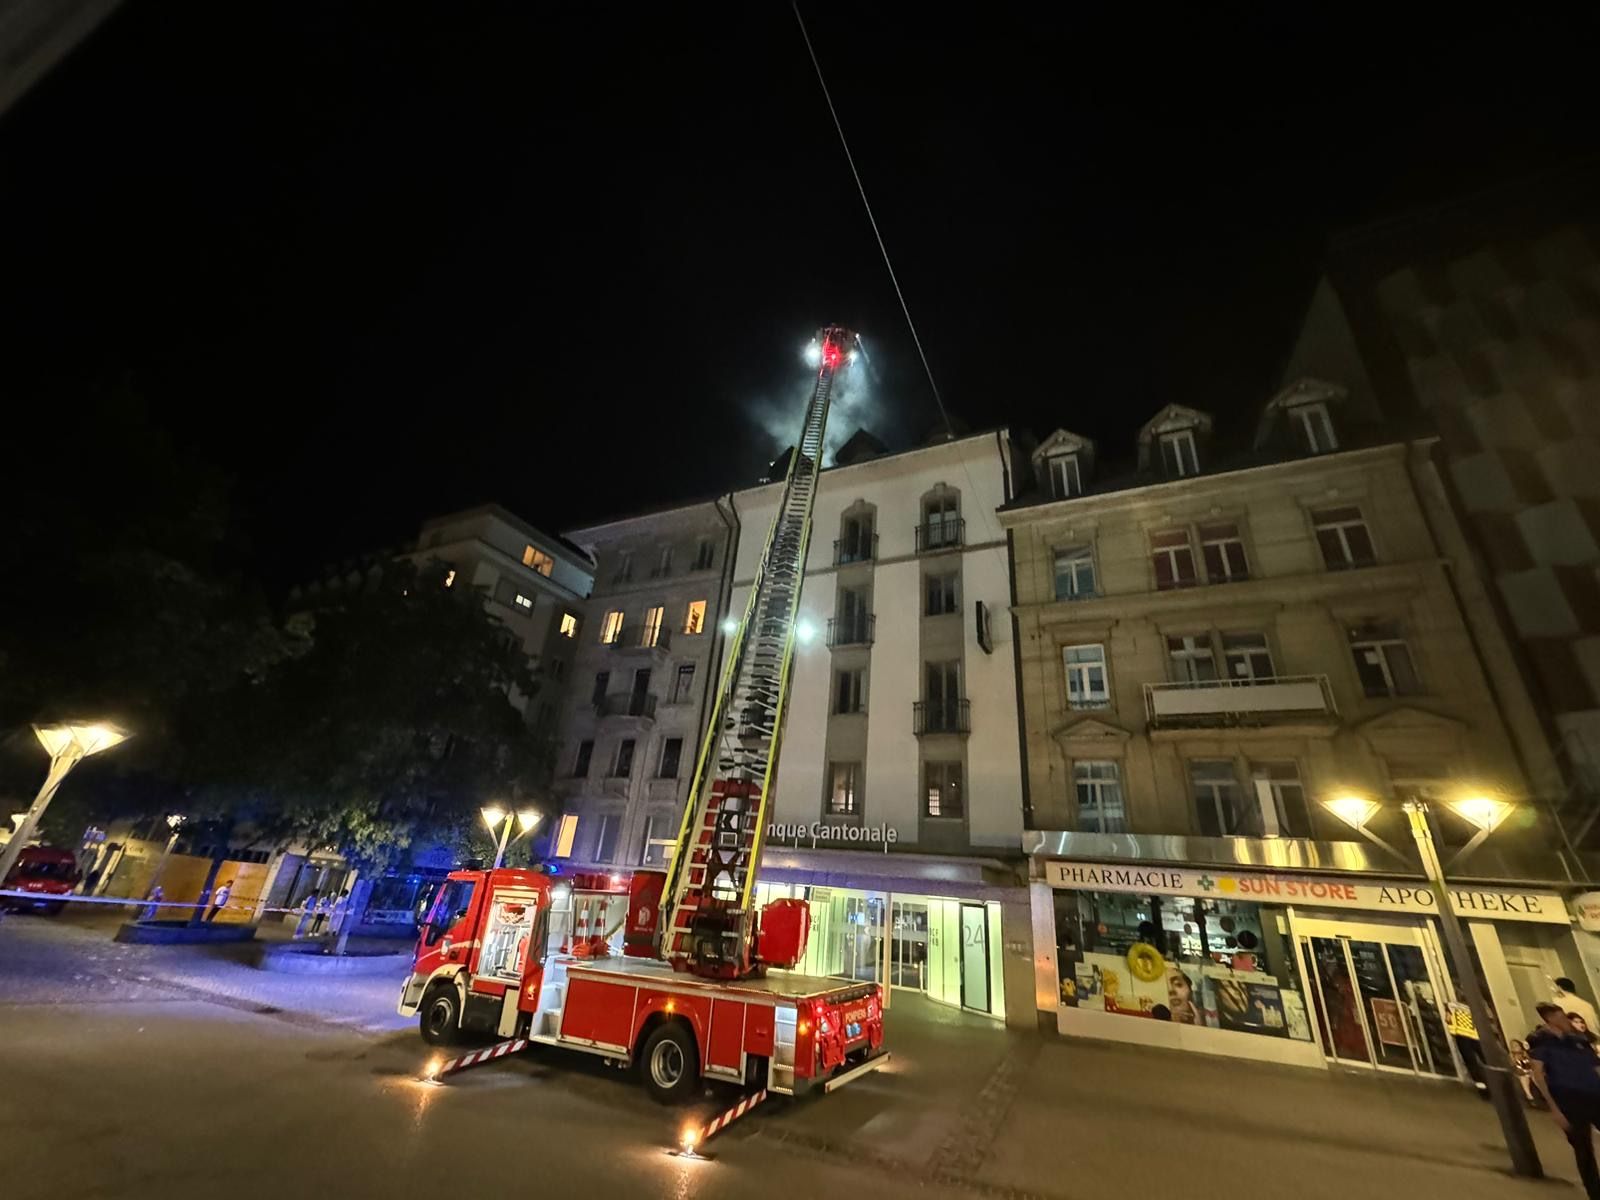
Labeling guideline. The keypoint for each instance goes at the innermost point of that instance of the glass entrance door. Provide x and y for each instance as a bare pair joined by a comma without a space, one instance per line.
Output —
974,957
908,955
1377,995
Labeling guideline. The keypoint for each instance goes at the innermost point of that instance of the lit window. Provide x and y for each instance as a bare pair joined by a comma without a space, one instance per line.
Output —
1315,427
538,560
450,577
569,625
611,627
1099,789
525,604
944,797
1086,676
1074,573
694,620
844,778
1065,479
1343,537
651,633
561,844
1223,551
1383,661
1178,457
1173,559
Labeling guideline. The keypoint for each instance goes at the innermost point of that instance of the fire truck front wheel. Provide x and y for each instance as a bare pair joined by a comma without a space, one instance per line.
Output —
668,1063
440,1015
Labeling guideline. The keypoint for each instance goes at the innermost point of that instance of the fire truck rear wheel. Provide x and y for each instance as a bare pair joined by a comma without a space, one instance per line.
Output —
440,1016
668,1063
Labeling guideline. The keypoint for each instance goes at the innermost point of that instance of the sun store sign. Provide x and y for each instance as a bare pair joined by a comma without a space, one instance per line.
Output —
1312,891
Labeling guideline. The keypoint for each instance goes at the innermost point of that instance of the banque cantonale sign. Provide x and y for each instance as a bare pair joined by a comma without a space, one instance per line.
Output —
1504,904
821,831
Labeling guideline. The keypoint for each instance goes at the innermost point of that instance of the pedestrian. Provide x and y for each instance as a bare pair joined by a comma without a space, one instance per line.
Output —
323,904
1583,1030
336,917
1567,1075
1522,1065
308,908
152,904
1464,1032
1565,993
219,900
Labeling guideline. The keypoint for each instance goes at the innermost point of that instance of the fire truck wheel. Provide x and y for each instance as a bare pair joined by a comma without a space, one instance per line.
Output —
440,1018
669,1064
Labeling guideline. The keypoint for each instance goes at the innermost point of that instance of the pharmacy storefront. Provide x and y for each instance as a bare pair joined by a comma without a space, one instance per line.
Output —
1300,969
925,924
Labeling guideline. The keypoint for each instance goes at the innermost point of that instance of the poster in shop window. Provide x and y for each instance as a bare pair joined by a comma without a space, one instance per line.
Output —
1387,1023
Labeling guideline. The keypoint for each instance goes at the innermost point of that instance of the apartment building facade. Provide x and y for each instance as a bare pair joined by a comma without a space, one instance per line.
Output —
897,806
648,648
1234,672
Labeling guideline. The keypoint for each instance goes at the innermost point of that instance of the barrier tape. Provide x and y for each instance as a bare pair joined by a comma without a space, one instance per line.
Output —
131,902
475,1059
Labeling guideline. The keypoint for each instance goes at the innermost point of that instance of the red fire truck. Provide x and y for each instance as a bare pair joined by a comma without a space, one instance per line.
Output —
691,995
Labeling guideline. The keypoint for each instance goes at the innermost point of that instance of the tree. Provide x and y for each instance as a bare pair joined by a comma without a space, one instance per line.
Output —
390,722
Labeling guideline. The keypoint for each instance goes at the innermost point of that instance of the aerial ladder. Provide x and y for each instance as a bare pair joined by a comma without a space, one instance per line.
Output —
708,922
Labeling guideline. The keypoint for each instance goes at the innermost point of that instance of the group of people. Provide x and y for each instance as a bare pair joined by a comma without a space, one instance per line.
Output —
1560,1063
319,908
155,899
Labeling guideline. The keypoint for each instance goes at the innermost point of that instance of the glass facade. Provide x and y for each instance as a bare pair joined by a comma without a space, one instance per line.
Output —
947,949
1222,964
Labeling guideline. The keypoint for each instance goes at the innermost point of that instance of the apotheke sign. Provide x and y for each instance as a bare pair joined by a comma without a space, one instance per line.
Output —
1312,891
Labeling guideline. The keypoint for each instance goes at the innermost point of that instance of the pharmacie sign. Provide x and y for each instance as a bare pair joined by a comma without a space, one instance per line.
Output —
1315,891
821,831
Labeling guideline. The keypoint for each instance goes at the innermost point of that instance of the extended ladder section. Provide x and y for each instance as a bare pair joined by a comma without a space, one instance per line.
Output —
709,922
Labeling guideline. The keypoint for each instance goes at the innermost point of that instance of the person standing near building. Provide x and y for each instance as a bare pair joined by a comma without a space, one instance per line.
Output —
1565,993
336,918
308,909
323,904
1567,1075
219,900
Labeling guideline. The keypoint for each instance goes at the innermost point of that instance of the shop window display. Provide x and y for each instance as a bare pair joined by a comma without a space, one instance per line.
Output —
1222,964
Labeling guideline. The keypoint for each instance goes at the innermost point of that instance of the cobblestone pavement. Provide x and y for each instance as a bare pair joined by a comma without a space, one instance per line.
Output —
321,1072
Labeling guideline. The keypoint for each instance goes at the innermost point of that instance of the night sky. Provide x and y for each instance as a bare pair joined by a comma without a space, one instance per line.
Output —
379,261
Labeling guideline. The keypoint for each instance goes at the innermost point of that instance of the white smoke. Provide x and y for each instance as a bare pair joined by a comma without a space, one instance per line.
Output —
854,405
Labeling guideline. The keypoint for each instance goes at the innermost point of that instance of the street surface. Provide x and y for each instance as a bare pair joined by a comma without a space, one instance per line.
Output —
177,1072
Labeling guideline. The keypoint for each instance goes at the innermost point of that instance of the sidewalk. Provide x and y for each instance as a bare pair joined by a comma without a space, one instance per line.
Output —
969,1101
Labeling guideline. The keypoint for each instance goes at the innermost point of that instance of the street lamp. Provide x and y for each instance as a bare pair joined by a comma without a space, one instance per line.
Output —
1486,813
67,744
174,823
494,816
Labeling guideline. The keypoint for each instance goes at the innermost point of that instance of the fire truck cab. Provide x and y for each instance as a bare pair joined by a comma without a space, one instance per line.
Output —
494,957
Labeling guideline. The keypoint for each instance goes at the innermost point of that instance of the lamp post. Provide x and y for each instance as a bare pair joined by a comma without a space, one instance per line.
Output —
495,816
174,823
1503,1092
68,745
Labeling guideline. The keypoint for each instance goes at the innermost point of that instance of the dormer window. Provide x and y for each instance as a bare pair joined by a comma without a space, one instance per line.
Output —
1064,476
1178,455
1313,427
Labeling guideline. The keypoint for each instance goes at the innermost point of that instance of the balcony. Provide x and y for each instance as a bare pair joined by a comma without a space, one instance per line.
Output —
941,716
624,704
851,631
854,550
1276,700
642,639
949,534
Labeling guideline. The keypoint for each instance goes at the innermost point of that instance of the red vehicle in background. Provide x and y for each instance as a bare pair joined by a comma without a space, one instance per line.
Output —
46,872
